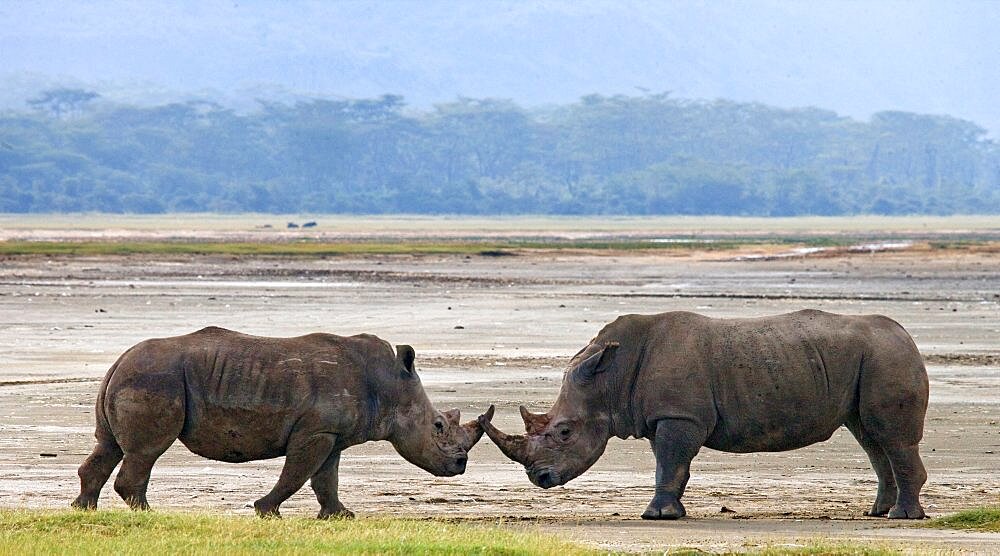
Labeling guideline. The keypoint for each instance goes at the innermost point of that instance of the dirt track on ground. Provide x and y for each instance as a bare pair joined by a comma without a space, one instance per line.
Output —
498,330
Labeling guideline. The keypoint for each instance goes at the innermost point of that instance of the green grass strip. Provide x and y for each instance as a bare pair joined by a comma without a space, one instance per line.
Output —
322,249
828,549
304,249
986,519
125,532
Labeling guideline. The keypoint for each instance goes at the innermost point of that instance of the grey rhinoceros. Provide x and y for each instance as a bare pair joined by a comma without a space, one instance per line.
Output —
737,385
233,397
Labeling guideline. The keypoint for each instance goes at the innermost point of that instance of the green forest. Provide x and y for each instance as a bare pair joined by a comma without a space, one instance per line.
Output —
70,150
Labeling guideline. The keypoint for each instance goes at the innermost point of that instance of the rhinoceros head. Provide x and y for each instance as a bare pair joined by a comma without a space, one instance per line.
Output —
437,442
566,441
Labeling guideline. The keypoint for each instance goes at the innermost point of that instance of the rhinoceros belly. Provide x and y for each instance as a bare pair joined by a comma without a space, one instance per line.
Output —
774,423
237,435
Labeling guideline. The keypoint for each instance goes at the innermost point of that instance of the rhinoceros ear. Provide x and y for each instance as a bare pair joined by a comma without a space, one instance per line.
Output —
596,363
406,355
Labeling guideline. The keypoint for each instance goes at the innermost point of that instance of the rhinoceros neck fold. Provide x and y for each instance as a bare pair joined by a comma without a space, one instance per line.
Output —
618,384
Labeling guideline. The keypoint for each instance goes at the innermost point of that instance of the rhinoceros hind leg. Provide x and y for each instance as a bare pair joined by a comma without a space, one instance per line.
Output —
133,478
892,407
910,477
142,448
324,484
303,458
887,492
95,472
675,444
898,433
146,415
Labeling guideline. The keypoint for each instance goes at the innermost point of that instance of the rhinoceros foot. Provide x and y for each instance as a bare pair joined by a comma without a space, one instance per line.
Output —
879,509
664,506
84,503
907,511
339,512
265,510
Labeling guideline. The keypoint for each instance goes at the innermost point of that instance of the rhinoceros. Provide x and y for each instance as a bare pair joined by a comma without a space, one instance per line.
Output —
234,397
768,384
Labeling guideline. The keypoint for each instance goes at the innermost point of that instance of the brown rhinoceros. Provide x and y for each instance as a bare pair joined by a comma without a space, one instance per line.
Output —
737,385
233,397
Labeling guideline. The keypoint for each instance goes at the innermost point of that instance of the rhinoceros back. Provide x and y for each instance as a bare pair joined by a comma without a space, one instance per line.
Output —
242,394
776,383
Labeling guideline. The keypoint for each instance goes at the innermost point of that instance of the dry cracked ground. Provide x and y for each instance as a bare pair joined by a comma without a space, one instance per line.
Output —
499,330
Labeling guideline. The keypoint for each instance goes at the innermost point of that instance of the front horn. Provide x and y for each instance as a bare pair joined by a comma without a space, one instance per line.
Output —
474,428
512,446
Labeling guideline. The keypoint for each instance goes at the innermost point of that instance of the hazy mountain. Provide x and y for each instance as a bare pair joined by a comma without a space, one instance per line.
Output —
853,57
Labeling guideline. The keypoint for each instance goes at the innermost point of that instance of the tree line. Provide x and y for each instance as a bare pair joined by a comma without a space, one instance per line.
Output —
70,150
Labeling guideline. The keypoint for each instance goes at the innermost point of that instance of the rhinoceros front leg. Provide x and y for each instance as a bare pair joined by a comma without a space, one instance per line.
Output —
324,484
303,457
675,444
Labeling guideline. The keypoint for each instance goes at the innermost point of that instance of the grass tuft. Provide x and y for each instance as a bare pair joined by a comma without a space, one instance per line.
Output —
828,549
126,532
985,519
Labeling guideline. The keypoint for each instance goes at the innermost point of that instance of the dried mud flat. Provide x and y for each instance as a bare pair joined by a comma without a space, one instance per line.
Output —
498,330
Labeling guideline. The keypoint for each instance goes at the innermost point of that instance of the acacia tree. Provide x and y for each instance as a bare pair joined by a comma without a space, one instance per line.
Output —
62,102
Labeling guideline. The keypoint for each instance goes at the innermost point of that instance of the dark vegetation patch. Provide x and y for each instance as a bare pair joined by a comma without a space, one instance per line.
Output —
654,154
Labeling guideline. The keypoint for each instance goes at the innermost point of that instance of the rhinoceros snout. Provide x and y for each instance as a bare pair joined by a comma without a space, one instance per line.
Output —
453,466
544,478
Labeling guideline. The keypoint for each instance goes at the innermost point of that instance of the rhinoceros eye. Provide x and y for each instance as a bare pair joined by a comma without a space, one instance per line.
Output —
438,426
565,432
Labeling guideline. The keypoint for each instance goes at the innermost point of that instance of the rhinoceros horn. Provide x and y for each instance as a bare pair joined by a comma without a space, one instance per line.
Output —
474,428
512,446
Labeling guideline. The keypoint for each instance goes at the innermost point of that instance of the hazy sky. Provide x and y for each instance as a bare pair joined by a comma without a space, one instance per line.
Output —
853,57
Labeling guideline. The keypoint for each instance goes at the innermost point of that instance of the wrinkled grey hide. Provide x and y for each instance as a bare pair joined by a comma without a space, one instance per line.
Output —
767,384
233,397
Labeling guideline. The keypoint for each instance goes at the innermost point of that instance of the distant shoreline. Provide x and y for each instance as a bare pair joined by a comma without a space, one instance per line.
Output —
521,224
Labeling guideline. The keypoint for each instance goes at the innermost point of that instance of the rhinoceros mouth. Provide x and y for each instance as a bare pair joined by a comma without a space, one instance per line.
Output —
454,467
544,477
458,463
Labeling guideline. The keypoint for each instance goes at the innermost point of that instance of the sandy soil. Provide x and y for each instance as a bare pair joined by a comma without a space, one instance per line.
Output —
498,330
